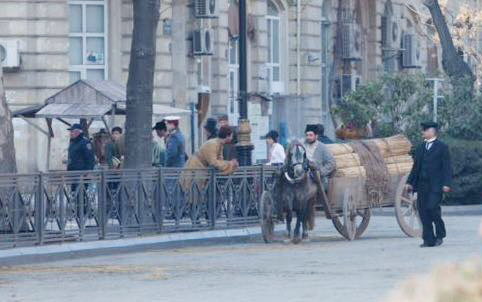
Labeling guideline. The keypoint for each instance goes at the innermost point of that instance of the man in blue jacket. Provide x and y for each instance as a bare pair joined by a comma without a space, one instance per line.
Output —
175,143
81,153
81,158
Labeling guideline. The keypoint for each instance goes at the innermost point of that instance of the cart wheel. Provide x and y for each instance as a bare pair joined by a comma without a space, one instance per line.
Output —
355,221
406,210
266,216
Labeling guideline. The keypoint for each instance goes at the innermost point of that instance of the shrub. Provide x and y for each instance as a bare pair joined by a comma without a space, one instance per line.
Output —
466,158
394,104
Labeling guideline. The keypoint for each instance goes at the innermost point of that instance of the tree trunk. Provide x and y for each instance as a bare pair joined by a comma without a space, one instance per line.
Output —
453,64
7,148
140,84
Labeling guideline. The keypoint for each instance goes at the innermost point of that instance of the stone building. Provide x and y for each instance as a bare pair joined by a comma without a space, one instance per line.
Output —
293,68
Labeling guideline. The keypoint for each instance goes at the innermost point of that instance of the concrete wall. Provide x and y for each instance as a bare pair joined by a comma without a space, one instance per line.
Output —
42,27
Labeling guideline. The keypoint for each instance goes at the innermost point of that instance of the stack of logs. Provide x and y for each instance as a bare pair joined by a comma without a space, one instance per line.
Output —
395,151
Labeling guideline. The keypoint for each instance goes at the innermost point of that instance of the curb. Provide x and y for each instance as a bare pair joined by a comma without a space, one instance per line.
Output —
177,238
446,210
170,238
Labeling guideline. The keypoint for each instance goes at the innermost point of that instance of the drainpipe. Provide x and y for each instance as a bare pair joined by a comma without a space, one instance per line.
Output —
298,46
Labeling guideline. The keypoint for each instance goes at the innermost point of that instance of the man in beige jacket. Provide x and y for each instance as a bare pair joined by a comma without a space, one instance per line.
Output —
209,155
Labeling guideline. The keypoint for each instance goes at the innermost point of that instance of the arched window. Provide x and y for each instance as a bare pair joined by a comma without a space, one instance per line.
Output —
273,64
88,39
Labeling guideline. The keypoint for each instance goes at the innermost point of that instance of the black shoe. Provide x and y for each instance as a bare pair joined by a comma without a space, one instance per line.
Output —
439,242
427,245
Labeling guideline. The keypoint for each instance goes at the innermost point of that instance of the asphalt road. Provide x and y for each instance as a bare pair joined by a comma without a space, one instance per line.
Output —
327,268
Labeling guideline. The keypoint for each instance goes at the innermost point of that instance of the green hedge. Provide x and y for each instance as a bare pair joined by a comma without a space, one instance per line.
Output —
466,158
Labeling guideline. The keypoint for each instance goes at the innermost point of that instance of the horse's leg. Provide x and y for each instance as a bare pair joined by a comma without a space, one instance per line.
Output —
296,235
289,217
305,223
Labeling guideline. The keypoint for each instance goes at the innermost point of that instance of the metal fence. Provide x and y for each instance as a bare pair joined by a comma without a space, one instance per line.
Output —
41,208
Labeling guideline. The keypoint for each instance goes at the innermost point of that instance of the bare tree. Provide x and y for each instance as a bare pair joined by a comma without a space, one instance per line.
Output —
7,149
453,64
140,84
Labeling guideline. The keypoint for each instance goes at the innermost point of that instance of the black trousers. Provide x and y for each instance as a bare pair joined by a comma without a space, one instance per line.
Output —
430,214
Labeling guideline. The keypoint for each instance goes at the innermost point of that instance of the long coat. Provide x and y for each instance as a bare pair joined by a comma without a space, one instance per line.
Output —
432,170
209,155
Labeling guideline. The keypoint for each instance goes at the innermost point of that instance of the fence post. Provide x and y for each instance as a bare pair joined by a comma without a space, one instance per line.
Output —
262,179
81,206
140,203
212,198
39,212
102,205
160,198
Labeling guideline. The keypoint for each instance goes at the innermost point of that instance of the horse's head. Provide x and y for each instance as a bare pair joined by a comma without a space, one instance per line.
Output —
296,160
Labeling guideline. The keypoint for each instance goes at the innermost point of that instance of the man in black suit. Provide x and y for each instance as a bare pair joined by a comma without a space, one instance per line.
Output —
430,177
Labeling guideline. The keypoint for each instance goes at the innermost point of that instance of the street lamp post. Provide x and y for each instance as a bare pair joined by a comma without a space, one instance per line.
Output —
244,146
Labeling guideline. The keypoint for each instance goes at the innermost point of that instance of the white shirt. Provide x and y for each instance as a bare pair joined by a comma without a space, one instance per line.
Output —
310,150
276,154
429,143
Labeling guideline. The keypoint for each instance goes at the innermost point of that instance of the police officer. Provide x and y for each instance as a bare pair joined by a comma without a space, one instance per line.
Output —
81,157
81,154
431,176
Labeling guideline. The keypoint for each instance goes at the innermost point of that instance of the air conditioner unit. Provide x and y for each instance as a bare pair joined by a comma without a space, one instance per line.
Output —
411,56
202,42
9,54
205,9
351,42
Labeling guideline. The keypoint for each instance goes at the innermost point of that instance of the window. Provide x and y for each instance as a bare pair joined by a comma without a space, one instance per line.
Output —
88,40
233,73
273,64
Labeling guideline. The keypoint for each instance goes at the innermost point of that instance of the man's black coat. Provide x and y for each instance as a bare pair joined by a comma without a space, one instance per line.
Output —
432,170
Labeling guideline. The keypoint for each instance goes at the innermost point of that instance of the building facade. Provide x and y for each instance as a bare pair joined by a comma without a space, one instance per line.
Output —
302,55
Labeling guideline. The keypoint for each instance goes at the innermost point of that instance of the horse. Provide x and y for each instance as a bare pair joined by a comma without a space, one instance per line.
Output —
296,191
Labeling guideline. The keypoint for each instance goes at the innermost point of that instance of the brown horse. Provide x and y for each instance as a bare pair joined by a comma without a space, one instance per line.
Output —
296,191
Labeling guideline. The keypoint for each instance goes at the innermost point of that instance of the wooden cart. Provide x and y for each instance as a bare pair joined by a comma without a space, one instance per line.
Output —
347,204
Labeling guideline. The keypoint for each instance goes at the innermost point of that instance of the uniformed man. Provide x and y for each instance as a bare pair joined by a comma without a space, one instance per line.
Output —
175,143
81,154
81,157
430,177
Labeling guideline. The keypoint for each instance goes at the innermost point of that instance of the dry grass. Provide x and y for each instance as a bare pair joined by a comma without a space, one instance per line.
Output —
452,283
153,273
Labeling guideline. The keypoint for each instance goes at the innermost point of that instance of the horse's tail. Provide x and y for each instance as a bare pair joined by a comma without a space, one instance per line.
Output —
311,215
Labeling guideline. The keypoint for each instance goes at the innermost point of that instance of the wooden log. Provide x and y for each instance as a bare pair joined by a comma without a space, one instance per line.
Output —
390,146
398,159
359,171
399,168
347,160
393,146
351,172
339,149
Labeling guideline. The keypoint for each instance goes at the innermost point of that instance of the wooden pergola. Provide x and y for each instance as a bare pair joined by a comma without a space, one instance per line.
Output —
87,101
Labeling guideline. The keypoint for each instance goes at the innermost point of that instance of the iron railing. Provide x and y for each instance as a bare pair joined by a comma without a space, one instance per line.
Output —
42,208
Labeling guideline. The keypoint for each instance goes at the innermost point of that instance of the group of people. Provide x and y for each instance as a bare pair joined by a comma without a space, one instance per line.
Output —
169,148
431,174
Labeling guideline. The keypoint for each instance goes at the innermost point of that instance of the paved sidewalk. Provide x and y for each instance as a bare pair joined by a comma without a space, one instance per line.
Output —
175,238
327,268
